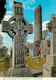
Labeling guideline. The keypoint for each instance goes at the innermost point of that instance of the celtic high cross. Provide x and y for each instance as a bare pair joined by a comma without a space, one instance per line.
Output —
17,27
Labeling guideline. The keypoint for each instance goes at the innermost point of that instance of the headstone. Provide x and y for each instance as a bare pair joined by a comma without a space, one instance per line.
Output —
49,69
33,49
27,51
45,48
18,28
11,53
6,62
3,51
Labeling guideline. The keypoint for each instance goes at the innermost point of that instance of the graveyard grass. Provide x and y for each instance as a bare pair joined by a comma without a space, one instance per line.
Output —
35,63
2,64
30,63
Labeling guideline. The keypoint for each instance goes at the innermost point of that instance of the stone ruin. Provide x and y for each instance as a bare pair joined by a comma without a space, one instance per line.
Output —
17,27
33,49
45,48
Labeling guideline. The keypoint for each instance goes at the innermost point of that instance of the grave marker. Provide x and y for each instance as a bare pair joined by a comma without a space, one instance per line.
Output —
6,62
18,28
49,69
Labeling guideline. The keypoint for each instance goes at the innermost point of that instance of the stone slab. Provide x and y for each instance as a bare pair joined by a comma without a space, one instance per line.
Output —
19,72
2,74
46,73
49,70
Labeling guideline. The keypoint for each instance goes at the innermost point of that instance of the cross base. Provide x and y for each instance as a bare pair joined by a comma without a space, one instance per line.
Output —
49,69
19,72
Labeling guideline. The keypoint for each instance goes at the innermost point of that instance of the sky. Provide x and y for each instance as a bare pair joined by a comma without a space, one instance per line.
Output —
48,8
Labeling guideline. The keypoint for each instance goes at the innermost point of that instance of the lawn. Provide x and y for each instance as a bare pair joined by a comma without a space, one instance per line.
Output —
30,63
35,63
2,65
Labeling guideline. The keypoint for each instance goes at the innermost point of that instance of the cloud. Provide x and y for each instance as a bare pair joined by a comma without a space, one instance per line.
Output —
27,1
7,17
44,25
7,44
34,1
4,35
29,41
10,3
5,41
28,7
0,27
27,4
32,23
8,12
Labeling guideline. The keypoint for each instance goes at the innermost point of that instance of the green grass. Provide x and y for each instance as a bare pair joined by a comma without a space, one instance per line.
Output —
2,65
35,63
30,63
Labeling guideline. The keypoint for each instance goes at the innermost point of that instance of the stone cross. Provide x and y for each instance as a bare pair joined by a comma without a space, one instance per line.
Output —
52,27
49,69
17,27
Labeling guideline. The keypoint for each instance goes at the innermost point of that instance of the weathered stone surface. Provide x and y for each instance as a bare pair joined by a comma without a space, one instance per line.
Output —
45,48
3,51
37,33
19,72
6,62
31,46
33,49
49,69
38,24
2,74
17,27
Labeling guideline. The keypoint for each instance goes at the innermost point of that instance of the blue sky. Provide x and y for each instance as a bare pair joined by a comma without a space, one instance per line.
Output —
48,8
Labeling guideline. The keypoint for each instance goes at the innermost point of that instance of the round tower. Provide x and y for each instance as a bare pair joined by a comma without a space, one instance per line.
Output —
38,24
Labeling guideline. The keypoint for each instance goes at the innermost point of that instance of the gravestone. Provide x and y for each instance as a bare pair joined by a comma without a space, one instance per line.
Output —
33,49
18,28
45,48
49,69
11,53
6,62
3,51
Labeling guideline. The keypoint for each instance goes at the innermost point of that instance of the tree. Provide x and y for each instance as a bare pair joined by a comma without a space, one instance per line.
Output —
2,9
45,33
1,42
